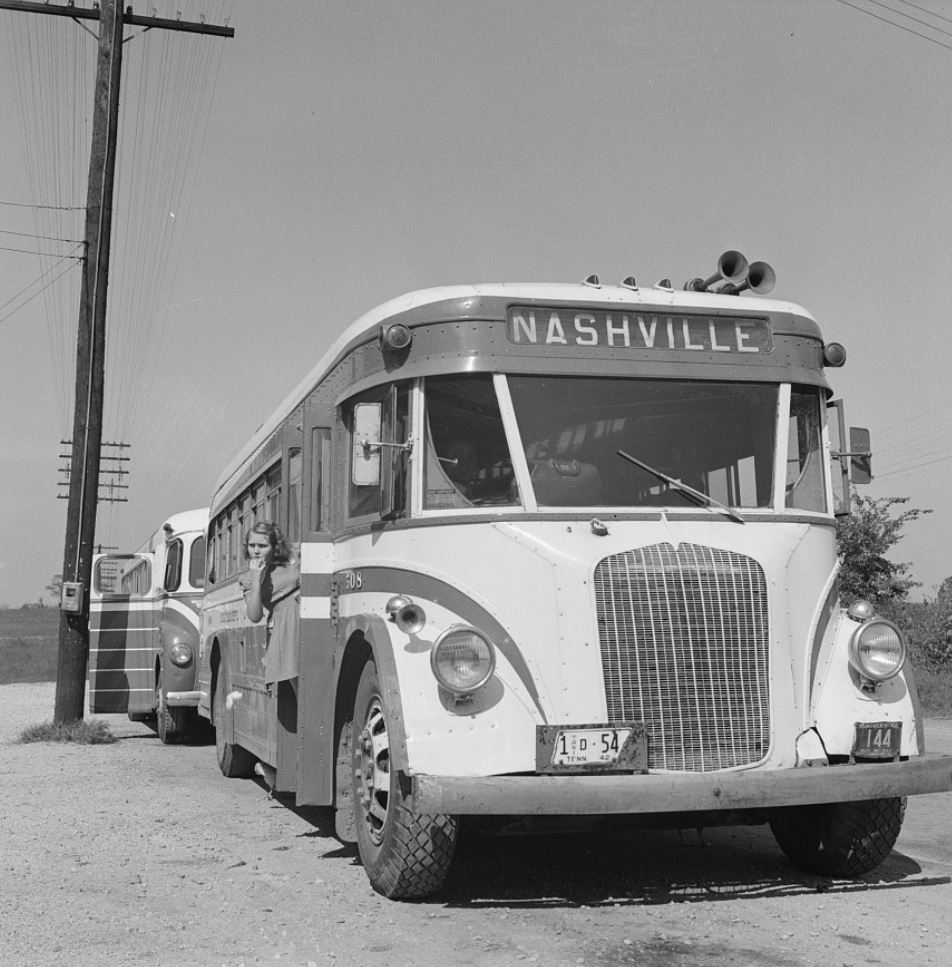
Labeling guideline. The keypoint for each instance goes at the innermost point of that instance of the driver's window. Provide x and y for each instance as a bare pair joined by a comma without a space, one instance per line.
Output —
805,484
467,461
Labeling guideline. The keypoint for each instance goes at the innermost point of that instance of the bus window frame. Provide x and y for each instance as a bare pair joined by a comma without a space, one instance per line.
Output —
527,500
392,452
174,561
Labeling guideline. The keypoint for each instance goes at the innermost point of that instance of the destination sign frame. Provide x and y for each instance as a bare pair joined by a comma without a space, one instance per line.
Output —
637,330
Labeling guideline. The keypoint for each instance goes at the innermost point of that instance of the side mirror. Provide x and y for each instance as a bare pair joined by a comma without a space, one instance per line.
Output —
861,457
365,458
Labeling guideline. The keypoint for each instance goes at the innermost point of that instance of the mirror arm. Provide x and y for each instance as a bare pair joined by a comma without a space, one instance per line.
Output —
408,446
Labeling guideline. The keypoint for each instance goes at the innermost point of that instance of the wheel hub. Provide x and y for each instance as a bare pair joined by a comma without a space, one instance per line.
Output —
373,771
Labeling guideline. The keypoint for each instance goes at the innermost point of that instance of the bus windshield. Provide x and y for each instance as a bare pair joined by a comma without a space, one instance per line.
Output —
717,438
627,443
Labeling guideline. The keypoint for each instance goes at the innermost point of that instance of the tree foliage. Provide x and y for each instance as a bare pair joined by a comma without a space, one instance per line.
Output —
864,539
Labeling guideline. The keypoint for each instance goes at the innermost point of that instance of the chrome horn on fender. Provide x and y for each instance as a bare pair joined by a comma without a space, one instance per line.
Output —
737,275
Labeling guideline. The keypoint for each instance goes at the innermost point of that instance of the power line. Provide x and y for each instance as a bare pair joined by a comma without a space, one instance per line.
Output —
30,251
909,16
908,30
35,294
911,469
916,6
52,208
46,238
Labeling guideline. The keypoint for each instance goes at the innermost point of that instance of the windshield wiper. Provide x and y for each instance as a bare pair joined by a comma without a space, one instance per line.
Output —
678,485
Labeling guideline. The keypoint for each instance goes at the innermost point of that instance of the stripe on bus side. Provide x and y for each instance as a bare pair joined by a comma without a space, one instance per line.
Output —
390,580
316,582
317,562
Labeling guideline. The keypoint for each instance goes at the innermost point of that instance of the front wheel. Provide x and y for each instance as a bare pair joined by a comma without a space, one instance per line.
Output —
839,839
171,724
406,855
234,761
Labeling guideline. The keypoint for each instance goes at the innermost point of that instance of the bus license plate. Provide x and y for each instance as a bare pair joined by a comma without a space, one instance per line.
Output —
587,748
877,740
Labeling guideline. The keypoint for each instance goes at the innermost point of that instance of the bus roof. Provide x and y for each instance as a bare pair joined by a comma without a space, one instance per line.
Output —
183,522
461,297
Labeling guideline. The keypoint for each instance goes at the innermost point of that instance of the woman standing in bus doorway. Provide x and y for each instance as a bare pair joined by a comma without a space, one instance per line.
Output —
272,587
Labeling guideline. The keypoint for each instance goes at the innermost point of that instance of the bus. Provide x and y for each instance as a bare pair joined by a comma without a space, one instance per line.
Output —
144,628
566,550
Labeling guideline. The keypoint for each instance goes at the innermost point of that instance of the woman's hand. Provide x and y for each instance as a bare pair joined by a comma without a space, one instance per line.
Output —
257,565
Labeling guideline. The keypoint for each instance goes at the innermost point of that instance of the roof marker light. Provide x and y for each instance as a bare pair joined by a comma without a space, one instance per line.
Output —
629,283
592,280
834,354
397,336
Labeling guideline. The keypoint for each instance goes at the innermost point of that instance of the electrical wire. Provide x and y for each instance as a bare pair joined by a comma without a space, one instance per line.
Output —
908,30
169,80
3,318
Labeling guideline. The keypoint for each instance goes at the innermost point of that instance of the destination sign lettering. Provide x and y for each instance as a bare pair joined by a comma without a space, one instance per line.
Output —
601,328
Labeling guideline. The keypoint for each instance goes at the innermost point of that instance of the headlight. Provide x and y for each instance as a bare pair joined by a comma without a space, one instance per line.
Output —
877,650
180,655
462,659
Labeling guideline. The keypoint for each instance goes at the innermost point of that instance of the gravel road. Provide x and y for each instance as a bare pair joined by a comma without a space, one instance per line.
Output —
136,854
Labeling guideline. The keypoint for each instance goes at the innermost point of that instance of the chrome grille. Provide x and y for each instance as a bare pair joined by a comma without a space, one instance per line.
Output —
684,644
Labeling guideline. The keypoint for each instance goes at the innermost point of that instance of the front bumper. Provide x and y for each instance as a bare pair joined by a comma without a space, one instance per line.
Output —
177,699
665,792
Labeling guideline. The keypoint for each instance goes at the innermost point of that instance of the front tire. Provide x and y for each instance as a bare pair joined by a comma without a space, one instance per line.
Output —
839,839
171,724
406,855
234,761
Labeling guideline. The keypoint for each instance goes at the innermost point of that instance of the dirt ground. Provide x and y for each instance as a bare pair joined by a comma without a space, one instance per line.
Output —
141,854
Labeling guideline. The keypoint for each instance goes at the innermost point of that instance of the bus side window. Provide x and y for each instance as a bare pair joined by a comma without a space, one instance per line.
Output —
396,429
196,563
173,566
294,495
320,478
805,483
365,422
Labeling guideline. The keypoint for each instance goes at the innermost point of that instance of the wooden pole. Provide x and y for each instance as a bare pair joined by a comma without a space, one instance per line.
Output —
90,359
91,339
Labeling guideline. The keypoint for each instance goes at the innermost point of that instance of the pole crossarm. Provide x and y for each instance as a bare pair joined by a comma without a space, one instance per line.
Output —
128,17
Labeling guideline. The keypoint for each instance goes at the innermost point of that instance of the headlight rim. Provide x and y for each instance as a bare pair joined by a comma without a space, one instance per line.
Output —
854,650
467,690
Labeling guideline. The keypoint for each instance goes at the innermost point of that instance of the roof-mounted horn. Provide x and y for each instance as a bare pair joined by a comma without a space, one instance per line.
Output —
732,268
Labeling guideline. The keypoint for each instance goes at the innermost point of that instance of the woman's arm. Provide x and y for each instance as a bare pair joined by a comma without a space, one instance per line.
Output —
253,604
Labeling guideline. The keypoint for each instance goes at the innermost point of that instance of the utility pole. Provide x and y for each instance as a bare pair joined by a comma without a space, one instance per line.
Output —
91,339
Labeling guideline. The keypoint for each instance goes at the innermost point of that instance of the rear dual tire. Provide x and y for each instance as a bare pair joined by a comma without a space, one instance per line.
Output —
234,761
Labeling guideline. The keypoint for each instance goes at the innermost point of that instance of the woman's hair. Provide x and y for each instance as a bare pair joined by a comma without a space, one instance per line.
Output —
280,550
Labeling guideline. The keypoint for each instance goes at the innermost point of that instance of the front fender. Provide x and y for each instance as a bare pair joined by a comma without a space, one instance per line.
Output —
177,678
490,733
376,632
839,701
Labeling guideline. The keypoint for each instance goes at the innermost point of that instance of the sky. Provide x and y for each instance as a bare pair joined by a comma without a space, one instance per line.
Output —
333,154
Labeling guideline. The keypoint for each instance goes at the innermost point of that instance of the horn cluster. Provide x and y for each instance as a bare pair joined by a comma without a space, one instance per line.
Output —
735,274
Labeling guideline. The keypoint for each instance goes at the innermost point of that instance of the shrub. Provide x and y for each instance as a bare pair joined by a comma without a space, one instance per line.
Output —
93,732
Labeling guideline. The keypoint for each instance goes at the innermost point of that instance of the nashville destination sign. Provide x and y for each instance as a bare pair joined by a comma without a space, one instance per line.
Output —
540,326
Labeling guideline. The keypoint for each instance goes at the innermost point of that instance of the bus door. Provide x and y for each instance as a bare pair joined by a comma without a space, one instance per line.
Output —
124,610
316,664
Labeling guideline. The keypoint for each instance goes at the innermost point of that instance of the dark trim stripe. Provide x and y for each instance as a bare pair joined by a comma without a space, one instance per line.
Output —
823,622
393,580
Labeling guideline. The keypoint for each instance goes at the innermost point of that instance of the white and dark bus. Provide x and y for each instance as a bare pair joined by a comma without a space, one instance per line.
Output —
144,627
566,550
